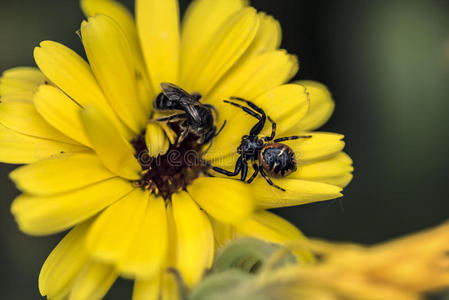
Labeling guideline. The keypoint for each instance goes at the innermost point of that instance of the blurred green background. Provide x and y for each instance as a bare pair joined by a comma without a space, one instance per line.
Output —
387,65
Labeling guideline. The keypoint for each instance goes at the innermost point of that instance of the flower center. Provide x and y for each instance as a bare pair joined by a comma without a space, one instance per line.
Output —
172,172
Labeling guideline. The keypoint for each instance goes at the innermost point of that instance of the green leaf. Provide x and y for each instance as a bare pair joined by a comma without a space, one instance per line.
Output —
248,255
232,284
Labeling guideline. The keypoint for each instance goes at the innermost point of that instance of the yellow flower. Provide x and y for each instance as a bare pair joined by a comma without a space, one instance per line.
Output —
402,269
91,156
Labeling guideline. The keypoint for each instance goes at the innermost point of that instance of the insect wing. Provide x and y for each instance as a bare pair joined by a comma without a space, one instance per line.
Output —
175,93
193,113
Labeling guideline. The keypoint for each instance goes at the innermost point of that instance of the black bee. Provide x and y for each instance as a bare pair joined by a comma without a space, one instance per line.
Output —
275,159
196,117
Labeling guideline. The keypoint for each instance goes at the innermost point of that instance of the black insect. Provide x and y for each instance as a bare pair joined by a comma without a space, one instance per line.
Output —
275,159
195,117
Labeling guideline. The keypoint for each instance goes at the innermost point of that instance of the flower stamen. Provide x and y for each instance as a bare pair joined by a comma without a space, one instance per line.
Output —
173,171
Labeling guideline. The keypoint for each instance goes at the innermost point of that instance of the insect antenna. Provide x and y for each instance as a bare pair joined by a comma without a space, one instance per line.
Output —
221,128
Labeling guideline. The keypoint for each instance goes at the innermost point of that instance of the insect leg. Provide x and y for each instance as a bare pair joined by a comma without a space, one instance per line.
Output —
250,104
269,180
259,126
295,137
206,137
245,109
182,136
262,112
256,171
244,170
221,128
172,118
207,150
238,167
273,130
208,174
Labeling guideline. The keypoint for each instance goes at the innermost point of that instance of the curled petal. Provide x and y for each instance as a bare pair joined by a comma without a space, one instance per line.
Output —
156,140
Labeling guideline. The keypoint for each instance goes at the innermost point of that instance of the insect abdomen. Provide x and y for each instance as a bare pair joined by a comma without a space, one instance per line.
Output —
278,159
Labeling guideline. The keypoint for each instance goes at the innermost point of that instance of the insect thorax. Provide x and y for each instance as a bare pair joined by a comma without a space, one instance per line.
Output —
250,147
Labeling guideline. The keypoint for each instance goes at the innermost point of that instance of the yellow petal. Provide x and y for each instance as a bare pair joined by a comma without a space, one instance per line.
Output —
40,215
61,112
341,181
115,228
223,233
321,145
194,238
22,117
250,75
226,200
285,104
272,228
210,237
253,77
158,29
147,252
144,91
227,46
201,22
268,36
114,69
297,192
269,227
169,132
156,141
114,9
321,106
69,72
325,170
73,75
169,287
16,148
112,149
146,289
226,162
171,230
64,263
21,81
93,282
125,20
60,174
